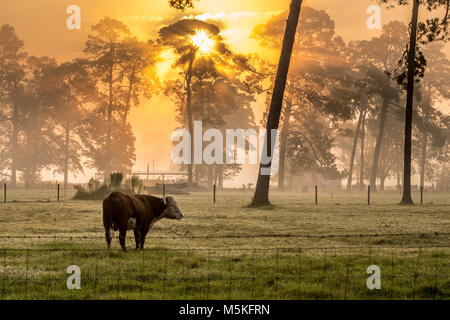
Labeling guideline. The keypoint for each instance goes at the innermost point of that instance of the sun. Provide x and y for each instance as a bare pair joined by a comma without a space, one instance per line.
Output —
202,41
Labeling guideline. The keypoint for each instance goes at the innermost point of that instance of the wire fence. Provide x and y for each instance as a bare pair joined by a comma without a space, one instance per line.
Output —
189,235
57,193
230,273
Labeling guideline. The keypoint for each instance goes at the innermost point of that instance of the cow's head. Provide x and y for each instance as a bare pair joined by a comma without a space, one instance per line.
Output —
172,211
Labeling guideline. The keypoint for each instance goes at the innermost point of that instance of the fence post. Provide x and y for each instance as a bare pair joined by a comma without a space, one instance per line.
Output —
368,195
57,193
4,192
421,194
164,186
315,189
214,193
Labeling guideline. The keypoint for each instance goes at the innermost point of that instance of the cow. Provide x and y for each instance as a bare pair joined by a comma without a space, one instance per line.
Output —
135,212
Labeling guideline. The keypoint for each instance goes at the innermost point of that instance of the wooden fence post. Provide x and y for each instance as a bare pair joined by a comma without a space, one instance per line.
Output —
421,194
315,189
4,192
214,193
57,193
368,195
164,186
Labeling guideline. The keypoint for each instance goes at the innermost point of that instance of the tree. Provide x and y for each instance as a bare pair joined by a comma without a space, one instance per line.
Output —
123,69
182,4
213,88
433,87
315,54
35,151
139,72
261,196
67,89
12,76
433,30
106,53
190,40
359,128
372,59
310,143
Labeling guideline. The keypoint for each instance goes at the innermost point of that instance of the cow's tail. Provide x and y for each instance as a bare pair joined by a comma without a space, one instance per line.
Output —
107,219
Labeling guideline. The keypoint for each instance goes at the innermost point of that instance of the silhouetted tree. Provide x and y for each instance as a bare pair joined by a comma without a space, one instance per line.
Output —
68,88
124,70
372,58
421,33
316,49
212,90
106,52
12,76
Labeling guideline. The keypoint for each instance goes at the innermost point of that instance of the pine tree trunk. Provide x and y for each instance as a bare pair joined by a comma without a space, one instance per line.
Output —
108,168
220,178
14,138
129,93
383,170
376,154
283,142
210,177
361,158
423,160
406,199
197,173
261,196
352,157
189,116
66,157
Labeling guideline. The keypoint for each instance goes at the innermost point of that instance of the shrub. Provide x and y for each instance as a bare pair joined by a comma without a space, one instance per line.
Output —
115,180
96,190
136,185
95,194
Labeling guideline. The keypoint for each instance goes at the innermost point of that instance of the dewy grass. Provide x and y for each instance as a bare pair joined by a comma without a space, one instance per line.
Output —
409,244
226,274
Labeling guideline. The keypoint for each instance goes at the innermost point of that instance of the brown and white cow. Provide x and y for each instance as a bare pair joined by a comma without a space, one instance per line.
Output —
135,212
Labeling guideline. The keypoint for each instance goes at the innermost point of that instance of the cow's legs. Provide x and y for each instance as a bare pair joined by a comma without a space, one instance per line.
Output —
108,238
122,234
137,238
143,235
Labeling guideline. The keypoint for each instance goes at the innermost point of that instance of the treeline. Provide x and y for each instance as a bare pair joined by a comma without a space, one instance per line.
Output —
343,116
64,116
75,114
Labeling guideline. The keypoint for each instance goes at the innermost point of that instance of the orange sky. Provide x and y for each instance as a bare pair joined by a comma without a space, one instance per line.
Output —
41,24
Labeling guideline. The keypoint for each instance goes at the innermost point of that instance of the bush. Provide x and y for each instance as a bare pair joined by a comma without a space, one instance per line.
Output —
96,194
98,191
115,180
136,185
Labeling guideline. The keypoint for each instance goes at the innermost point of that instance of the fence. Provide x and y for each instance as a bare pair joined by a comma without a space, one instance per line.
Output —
56,192
39,193
279,273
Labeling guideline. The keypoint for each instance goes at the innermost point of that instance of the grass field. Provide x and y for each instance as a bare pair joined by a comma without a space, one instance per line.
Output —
293,250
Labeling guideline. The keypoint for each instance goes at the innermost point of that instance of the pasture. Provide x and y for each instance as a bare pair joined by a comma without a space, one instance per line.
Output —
293,250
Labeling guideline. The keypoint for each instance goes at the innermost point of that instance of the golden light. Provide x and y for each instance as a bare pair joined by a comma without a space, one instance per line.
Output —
202,41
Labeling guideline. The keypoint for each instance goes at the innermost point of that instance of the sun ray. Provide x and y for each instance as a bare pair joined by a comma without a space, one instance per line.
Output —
202,41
